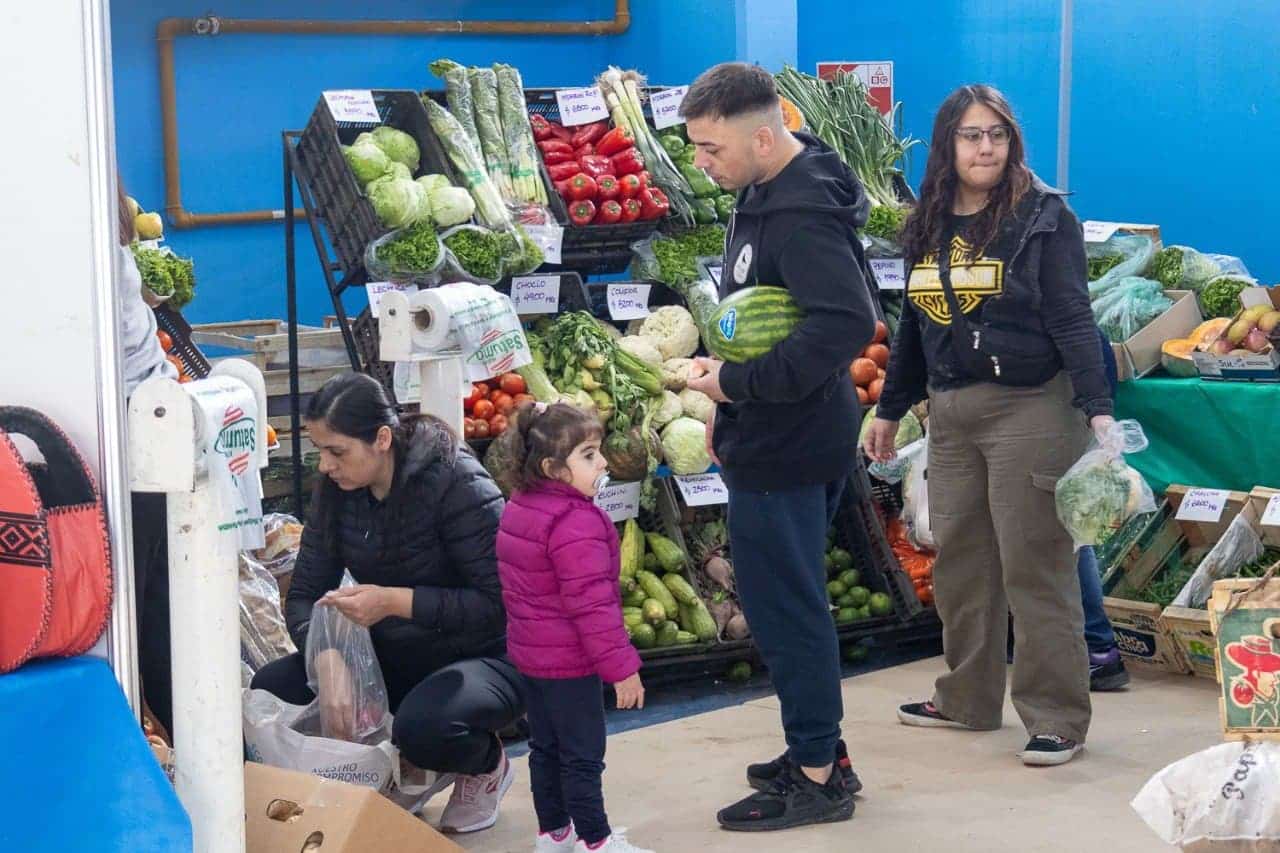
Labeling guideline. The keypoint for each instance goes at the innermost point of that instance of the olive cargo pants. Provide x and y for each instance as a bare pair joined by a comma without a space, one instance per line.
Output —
995,455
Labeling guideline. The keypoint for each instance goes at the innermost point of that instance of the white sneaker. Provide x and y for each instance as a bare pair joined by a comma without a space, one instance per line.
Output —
473,806
616,843
548,844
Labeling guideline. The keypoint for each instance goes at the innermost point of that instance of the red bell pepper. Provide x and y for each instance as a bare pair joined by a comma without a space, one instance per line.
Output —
631,210
559,131
552,158
563,171
629,162
607,188
596,165
582,187
654,203
646,179
541,127
609,213
562,187
629,186
582,212
589,133
584,151
615,141
546,146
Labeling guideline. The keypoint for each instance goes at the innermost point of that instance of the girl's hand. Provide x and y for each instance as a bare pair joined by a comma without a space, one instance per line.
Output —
879,443
630,693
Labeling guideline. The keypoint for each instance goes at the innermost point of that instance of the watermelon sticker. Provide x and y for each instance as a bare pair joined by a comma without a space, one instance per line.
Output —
729,323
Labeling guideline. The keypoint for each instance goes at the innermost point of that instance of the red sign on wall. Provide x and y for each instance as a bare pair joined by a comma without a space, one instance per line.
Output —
877,76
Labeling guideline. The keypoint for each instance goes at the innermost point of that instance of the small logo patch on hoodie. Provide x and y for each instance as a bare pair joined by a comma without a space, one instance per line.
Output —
742,266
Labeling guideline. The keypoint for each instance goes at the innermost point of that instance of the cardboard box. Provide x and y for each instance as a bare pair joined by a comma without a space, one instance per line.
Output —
296,812
1098,231
1259,498
1140,354
1255,367
1245,617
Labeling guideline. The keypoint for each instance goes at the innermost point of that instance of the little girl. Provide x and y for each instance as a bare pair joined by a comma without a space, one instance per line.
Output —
558,561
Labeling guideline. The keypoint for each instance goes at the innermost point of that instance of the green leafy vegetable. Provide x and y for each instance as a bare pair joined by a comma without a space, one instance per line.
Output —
1096,498
398,145
885,221
1221,297
478,252
416,250
367,161
166,274
1101,265
677,256
490,209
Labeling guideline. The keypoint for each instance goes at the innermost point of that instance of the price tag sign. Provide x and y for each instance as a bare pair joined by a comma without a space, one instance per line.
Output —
548,238
702,489
375,289
666,107
891,273
581,106
620,501
536,294
1271,517
1204,505
353,105
1099,232
628,301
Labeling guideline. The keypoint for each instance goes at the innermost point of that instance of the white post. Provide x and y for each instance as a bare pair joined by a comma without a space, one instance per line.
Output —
442,385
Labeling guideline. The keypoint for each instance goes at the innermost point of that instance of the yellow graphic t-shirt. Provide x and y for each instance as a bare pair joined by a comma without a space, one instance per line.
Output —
972,282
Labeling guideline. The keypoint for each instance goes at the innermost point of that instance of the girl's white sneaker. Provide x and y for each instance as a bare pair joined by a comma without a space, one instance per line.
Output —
616,843
547,842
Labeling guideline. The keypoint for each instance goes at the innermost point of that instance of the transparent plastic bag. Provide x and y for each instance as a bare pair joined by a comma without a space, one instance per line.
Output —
1183,268
1221,295
1127,308
1100,492
1134,253
383,270
263,635
343,671
1238,547
283,535
454,270
644,263
879,247
895,470
915,501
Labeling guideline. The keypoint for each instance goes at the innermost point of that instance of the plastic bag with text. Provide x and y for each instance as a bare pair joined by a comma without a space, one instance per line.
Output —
1100,492
915,501
895,470
1222,799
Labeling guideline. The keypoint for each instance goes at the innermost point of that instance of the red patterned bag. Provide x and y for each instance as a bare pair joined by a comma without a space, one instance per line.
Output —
55,559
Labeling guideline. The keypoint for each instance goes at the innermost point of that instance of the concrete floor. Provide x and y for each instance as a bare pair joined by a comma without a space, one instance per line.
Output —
934,790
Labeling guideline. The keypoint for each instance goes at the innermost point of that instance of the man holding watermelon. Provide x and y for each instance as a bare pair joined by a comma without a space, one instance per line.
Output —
784,429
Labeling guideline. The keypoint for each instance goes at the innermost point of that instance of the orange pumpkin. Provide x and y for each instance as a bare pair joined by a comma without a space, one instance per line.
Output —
792,118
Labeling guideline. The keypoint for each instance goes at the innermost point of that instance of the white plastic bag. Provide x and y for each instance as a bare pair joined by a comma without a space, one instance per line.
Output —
915,501
895,470
1225,798
1238,547
1100,492
344,673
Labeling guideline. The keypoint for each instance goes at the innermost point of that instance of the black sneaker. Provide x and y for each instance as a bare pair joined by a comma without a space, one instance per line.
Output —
1050,751
926,715
792,800
762,776
1107,672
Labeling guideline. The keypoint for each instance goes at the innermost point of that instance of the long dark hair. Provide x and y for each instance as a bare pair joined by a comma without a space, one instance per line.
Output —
124,225
357,406
923,231
550,434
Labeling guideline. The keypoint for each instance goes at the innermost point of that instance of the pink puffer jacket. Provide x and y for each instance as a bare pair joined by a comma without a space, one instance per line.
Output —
558,561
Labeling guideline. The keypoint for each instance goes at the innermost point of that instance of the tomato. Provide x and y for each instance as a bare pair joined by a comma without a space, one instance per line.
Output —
481,389
498,425
482,428
166,342
272,438
483,410
521,399
882,332
873,390
1242,693
879,353
512,383
863,371
504,403
863,397
177,364
468,428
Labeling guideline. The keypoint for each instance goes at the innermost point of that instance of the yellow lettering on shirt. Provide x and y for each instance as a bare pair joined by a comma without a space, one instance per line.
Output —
973,282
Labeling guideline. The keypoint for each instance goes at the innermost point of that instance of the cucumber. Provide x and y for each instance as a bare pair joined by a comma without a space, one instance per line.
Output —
701,624
747,324
668,553
635,598
684,638
655,588
680,588
654,612
626,584
632,619
667,634
643,637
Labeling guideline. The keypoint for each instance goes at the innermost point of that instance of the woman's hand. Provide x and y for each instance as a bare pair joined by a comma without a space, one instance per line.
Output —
630,692
337,702
879,441
1101,425
367,604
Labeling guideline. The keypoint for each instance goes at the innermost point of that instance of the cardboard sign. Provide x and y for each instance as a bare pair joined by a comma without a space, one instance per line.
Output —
1203,505
536,294
891,273
1099,232
581,106
1271,517
352,105
876,76
628,301
702,489
548,238
620,501
666,107
375,289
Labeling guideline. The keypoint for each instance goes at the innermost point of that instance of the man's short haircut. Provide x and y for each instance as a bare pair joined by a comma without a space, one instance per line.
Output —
729,90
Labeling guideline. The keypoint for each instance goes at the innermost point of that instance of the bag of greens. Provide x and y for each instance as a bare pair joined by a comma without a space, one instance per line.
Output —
1121,256
1183,268
1129,306
1100,492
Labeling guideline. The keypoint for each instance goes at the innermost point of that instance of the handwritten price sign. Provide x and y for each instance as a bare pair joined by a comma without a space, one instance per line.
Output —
890,273
1204,505
353,105
581,106
702,489
1271,518
666,107
620,501
536,294
628,301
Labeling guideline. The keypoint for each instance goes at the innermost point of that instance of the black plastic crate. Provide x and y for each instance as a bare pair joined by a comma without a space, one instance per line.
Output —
860,530
176,327
573,291
340,203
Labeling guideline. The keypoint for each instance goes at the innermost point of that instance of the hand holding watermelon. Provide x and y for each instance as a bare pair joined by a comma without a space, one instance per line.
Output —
704,376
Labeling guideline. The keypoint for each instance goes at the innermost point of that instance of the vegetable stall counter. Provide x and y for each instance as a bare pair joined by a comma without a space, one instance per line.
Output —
1210,433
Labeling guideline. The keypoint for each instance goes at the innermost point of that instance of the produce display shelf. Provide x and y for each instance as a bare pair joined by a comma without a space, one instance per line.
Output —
598,296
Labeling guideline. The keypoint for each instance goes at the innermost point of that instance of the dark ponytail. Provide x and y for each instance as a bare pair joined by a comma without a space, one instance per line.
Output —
357,406
545,433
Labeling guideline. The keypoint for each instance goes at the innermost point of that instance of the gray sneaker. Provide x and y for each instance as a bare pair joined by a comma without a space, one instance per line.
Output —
473,806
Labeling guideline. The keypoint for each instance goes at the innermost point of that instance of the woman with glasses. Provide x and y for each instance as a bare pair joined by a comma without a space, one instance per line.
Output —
998,334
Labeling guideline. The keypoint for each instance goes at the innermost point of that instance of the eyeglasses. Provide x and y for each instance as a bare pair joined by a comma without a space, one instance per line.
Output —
999,135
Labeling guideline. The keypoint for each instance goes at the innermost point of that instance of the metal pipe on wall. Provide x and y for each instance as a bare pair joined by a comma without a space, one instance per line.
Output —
170,29
1063,177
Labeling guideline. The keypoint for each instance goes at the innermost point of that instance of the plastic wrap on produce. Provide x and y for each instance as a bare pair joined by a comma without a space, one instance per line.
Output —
1129,306
1238,547
1122,256
263,635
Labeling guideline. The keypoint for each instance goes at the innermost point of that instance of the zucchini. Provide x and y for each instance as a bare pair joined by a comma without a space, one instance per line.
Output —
701,624
680,588
632,616
667,634
684,638
669,555
654,612
650,583
632,548
635,598
643,636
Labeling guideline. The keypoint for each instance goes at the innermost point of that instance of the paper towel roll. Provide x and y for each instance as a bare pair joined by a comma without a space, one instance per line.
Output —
226,414
474,319
432,312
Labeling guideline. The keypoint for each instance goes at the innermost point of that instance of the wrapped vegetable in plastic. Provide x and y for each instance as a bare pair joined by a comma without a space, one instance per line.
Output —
1100,491
1238,547
1120,257
413,254
1127,308
1183,268
490,209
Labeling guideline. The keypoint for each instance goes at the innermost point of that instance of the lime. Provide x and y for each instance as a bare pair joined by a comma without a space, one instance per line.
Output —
835,589
850,578
861,596
881,605
856,653
739,672
842,558
845,600
846,615
828,564
864,613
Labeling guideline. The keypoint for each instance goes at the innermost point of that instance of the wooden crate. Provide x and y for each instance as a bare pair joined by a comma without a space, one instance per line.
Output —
1258,499
1254,712
266,342
1143,547
1144,643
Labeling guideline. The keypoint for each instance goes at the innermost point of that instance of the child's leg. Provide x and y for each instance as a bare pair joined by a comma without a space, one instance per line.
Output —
577,707
544,758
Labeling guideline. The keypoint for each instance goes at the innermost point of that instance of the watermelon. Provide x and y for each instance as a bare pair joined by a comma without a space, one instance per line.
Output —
747,324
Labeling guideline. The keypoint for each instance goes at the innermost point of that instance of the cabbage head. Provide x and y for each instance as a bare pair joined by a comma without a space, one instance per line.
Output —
398,202
399,170
367,161
431,183
451,206
684,445
398,145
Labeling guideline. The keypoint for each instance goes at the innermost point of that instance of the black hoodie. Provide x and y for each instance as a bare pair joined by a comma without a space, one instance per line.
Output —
793,419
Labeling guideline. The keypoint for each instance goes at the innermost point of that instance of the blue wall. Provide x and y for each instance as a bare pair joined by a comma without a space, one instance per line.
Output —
236,93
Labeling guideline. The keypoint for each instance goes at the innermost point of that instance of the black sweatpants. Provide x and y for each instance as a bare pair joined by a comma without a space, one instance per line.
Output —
151,598
566,754
777,539
446,723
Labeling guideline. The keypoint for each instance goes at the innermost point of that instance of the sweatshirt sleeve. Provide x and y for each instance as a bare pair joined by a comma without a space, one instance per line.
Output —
1068,316
823,274
907,378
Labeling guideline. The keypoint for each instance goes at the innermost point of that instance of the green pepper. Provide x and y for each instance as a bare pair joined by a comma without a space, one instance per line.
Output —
699,182
673,144
704,211
687,155
724,206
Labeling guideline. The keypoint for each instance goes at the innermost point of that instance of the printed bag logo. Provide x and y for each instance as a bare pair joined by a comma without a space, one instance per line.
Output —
498,350
729,323
742,266
1255,689
236,440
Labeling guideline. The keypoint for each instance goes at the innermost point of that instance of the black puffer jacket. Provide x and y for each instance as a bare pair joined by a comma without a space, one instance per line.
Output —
440,541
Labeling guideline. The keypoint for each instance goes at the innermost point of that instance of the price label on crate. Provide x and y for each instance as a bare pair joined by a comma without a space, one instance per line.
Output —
628,301
581,106
353,105
375,289
890,273
666,107
620,501
702,489
536,294
1205,505
1099,232
1271,516
549,238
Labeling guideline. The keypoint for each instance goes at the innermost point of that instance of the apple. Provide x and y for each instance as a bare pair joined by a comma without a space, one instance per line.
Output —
1239,330
149,226
1221,346
1269,321
1255,313
1256,341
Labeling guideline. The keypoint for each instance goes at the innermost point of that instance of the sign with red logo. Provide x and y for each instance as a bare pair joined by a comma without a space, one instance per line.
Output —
877,76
